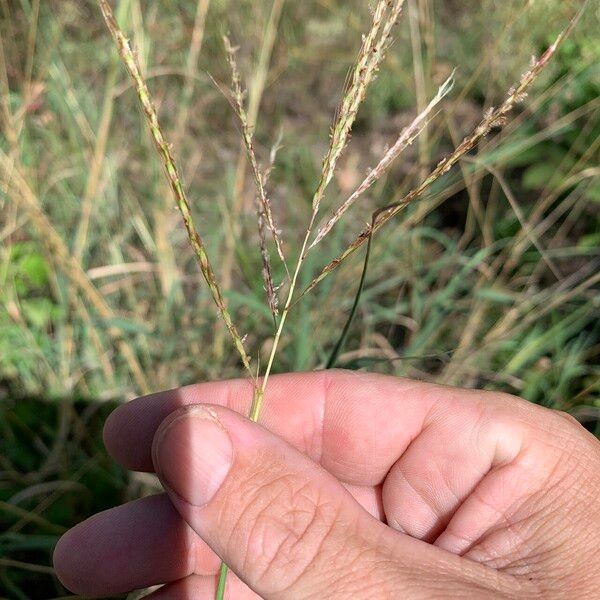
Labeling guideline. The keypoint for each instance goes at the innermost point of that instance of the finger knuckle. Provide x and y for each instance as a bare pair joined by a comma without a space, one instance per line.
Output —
566,423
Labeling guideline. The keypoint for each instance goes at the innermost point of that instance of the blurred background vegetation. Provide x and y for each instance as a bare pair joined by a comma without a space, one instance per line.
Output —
490,280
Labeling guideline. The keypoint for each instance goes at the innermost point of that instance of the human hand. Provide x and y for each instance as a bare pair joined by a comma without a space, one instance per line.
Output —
355,485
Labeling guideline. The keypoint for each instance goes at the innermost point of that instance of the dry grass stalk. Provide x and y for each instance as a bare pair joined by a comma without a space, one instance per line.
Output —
190,68
60,253
525,227
406,138
415,19
494,117
97,162
247,135
164,151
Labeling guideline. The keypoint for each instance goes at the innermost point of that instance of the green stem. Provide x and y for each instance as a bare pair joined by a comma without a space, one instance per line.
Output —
342,339
259,397
220,593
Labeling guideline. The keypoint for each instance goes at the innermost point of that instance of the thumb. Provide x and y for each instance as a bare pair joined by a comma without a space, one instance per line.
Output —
280,521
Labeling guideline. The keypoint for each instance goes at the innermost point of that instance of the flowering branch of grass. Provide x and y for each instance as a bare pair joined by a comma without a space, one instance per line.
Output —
256,90
174,179
369,58
385,16
406,138
494,117
255,93
247,135
190,67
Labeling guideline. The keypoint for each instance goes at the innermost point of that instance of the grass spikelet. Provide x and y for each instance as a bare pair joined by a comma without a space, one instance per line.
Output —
267,272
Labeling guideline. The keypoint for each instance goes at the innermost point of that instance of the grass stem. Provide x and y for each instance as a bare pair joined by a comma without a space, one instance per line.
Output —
164,151
222,582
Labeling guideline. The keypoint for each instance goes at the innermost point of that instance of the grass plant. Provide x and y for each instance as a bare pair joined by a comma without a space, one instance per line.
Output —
490,278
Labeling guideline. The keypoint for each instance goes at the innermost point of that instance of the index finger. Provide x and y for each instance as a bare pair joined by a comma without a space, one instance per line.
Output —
355,424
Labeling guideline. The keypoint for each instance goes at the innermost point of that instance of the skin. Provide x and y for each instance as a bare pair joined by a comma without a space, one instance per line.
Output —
354,485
